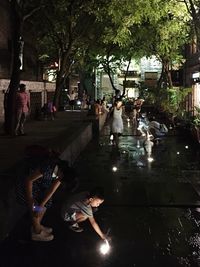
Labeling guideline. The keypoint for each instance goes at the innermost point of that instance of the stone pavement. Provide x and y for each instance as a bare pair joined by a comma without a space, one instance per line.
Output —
55,134
149,209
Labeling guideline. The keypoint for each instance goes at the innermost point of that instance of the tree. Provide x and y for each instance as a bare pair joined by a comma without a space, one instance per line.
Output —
193,7
20,11
156,27
66,34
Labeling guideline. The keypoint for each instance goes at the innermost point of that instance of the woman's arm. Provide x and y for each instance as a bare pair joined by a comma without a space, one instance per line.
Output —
50,192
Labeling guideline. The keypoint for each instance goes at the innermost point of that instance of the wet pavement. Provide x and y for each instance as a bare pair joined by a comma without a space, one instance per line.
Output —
149,209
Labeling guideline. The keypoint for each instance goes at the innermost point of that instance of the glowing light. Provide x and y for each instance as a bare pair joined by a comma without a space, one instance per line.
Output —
105,248
114,168
138,144
186,147
150,159
78,102
177,152
128,119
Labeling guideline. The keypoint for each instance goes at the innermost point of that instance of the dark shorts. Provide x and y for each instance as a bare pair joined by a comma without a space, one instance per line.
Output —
72,102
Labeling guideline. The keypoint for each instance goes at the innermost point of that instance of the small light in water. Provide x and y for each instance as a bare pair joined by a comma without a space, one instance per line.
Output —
114,168
178,153
105,247
150,159
186,147
138,144
111,137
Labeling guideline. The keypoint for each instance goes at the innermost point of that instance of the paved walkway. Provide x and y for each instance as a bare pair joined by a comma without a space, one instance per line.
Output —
54,134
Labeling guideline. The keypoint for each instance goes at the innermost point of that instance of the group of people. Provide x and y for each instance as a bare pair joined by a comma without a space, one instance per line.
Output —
147,127
100,106
151,126
43,173
118,111
85,100
133,108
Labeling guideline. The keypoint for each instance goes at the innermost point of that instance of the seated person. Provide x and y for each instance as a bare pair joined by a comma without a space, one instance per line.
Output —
80,207
158,129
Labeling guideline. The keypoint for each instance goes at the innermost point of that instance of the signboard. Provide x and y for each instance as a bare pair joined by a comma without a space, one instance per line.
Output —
196,75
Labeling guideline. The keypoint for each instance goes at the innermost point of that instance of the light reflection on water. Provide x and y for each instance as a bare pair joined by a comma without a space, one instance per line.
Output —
176,235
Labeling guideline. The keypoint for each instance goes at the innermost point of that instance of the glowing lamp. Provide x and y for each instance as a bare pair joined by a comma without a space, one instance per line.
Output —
150,159
114,168
105,247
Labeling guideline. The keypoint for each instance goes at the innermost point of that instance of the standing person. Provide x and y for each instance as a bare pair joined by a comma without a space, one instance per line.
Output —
138,105
104,108
80,207
22,109
84,100
36,186
97,107
51,110
117,123
72,99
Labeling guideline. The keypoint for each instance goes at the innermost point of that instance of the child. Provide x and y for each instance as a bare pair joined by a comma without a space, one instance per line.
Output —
80,208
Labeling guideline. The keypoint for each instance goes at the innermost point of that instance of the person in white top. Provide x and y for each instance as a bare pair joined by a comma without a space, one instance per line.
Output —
117,123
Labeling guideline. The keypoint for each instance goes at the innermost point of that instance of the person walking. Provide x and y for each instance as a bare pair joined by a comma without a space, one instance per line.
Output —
22,109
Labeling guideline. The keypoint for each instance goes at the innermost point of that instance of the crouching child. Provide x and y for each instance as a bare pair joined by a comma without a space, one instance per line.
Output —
80,207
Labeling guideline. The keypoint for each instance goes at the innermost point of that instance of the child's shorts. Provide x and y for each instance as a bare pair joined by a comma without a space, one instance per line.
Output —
70,216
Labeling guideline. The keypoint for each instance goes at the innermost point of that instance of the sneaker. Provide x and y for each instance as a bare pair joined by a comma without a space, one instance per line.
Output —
48,230
75,227
43,236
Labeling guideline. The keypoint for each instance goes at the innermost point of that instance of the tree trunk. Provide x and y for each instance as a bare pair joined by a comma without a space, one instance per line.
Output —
196,20
165,80
57,94
168,74
125,77
10,96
